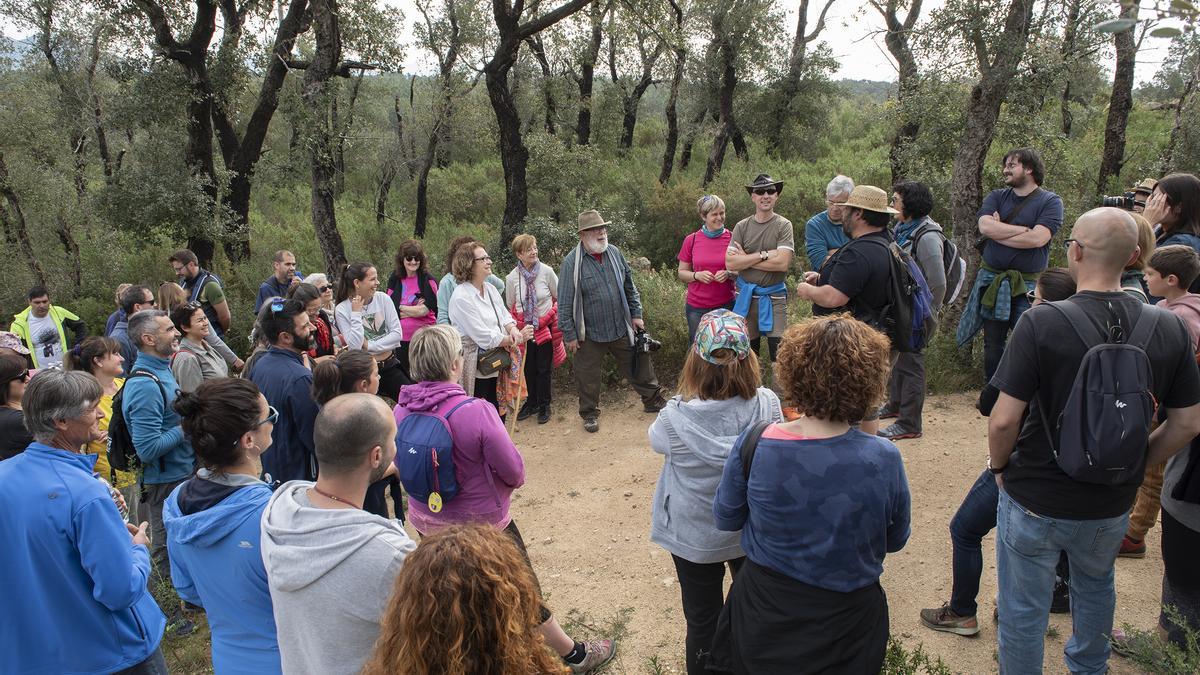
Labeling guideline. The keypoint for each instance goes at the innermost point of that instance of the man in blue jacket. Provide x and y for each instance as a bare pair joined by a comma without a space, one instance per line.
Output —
167,457
74,592
285,382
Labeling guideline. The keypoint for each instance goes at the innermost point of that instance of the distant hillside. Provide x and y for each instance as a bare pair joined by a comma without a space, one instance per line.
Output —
872,89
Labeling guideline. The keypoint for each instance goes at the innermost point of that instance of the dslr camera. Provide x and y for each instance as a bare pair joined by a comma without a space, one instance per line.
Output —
1125,201
644,344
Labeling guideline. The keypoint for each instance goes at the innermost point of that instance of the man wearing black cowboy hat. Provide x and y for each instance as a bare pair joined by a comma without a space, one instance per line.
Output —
761,253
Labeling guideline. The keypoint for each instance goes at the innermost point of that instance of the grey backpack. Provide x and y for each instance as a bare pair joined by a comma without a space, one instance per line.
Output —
1104,428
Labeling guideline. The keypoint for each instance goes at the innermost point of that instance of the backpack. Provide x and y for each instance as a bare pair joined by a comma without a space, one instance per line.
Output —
425,457
955,266
750,446
1104,428
122,456
907,318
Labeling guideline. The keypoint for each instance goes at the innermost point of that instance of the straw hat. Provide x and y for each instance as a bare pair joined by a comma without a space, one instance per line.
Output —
591,219
869,198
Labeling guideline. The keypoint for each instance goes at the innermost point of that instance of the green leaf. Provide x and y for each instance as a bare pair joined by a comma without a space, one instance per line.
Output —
1183,6
1166,32
1116,25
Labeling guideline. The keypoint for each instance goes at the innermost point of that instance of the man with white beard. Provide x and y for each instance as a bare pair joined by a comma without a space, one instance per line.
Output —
600,311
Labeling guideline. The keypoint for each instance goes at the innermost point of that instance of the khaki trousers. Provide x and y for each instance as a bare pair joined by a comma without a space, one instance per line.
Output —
589,374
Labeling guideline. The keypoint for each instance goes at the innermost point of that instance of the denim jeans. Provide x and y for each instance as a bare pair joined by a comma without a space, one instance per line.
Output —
995,336
694,314
155,664
975,518
1027,550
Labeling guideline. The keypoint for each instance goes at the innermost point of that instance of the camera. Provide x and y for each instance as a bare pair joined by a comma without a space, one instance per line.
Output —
1125,201
644,344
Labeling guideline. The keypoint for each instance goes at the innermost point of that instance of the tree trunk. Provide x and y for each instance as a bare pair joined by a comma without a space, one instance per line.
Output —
1069,49
1119,104
789,87
672,111
587,74
15,228
318,93
983,109
1185,102
390,166
539,54
728,127
908,87
62,228
685,157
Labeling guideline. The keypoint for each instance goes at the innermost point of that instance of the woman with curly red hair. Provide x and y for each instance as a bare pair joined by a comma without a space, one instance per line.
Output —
819,503
464,602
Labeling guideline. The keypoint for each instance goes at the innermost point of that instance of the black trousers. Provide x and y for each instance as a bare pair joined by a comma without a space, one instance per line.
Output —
485,388
391,378
1181,576
539,366
376,499
702,587
515,534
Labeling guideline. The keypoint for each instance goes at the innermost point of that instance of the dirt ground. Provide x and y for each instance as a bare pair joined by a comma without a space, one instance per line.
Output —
585,514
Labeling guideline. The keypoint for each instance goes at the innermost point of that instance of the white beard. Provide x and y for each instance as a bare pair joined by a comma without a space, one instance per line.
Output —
595,248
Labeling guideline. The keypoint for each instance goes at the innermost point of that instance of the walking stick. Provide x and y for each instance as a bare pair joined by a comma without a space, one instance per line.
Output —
520,365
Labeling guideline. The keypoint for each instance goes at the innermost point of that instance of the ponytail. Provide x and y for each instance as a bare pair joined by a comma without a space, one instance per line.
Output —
339,375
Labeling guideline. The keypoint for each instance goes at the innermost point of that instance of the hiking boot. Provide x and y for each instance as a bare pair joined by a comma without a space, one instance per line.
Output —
1061,602
526,411
895,432
181,626
1132,548
591,425
654,404
544,413
888,413
947,621
599,652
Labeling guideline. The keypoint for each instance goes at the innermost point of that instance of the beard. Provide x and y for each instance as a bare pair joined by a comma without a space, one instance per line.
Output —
595,247
377,472
302,343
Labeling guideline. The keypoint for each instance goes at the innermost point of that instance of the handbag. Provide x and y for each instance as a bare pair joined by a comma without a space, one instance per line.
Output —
495,359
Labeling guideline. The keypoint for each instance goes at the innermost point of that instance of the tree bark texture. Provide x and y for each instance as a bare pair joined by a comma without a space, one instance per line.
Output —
317,93
1186,100
15,229
789,87
1069,48
539,54
631,97
587,72
726,56
1120,102
908,87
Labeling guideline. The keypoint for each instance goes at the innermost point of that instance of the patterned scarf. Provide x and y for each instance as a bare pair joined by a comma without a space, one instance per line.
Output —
528,277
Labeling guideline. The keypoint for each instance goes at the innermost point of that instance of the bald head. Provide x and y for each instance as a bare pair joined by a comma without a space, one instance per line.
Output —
348,428
1109,237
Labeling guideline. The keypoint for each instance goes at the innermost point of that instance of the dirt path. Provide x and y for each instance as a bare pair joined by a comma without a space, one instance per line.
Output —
585,514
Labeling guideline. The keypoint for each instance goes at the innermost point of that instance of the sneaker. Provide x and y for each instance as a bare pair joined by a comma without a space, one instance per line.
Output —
591,425
181,626
888,413
1061,602
1131,548
946,620
654,404
526,411
895,432
544,413
599,652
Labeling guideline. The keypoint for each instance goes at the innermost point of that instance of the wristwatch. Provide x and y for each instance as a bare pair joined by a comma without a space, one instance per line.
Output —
762,255
995,469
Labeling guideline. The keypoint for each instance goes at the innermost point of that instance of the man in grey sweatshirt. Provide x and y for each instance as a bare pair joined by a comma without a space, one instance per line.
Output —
331,565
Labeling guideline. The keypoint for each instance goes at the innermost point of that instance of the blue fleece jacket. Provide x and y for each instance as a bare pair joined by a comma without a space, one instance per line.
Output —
286,384
821,235
213,537
73,596
157,437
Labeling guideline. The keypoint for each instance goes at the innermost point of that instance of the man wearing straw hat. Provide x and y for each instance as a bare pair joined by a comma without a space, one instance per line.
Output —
856,278
599,310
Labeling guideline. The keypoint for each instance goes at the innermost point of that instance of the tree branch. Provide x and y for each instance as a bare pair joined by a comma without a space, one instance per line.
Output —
340,70
540,23
820,23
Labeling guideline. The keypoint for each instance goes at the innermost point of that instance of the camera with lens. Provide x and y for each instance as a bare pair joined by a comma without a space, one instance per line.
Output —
1125,201
644,344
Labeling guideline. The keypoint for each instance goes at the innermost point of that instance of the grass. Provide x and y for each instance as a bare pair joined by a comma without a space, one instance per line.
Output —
582,626
898,660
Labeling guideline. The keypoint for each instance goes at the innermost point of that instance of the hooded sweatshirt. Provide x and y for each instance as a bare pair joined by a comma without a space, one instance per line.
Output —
331,573
213,534
696,437
1187,307
487,465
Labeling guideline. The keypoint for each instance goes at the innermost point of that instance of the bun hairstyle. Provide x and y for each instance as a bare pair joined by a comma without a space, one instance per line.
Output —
337,376
83,355
215,416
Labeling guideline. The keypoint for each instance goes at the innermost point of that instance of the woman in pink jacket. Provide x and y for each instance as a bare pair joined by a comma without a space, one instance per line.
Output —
487,467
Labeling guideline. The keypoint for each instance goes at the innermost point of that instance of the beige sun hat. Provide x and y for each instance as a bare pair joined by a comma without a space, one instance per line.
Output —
869,198
590,219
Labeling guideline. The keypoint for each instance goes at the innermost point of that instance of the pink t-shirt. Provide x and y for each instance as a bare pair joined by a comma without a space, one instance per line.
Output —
707,255
411,324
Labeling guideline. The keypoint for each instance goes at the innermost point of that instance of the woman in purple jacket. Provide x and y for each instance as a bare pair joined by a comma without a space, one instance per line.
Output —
487,467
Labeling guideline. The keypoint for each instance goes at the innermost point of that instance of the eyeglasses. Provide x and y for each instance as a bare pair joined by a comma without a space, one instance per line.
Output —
1068,242
484,259
272,417
765,191
412,258
830,202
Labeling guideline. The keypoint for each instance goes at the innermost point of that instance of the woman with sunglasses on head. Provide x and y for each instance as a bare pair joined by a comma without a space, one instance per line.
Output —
415,293
195,360
325,343
212,522
14,373
172,295
702,264
367,319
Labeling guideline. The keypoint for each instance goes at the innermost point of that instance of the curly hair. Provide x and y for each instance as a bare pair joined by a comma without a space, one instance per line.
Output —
464,602
463,265
833,368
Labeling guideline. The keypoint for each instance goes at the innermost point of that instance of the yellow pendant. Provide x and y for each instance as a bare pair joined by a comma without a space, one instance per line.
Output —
435,502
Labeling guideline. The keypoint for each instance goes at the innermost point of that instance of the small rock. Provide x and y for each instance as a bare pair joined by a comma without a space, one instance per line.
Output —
548,540
628,494
668,581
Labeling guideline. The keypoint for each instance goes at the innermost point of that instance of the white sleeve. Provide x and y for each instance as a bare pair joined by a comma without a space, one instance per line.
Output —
349,324
468,315
510,288
395,336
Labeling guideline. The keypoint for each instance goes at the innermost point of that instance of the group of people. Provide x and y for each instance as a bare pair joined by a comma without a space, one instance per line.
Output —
262,497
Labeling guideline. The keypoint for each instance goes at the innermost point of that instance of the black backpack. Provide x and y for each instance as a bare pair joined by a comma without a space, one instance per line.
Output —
907,318
954,265
121,454
1104,428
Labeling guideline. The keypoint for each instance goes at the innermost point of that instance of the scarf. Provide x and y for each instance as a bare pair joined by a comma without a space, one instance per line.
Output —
905,229
323,345
527,278
710,234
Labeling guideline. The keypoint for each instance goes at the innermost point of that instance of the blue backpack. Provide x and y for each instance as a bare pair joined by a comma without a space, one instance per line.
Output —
907,318
424,457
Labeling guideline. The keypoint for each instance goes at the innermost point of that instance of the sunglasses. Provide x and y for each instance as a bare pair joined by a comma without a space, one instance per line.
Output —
1031,296
412,258
765,191
278,304
324,289
272,417
23,377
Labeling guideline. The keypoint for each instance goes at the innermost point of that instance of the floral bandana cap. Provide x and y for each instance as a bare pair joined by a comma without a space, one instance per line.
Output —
721,329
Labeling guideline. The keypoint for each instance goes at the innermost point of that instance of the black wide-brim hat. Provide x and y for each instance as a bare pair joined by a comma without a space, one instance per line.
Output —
764,181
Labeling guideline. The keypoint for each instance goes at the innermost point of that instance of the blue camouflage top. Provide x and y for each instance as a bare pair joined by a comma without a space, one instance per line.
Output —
822,511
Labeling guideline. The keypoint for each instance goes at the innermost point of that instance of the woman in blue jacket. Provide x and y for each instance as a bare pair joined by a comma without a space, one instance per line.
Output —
212,523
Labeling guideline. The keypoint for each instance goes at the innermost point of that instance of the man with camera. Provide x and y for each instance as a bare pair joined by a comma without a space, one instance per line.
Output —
599,312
